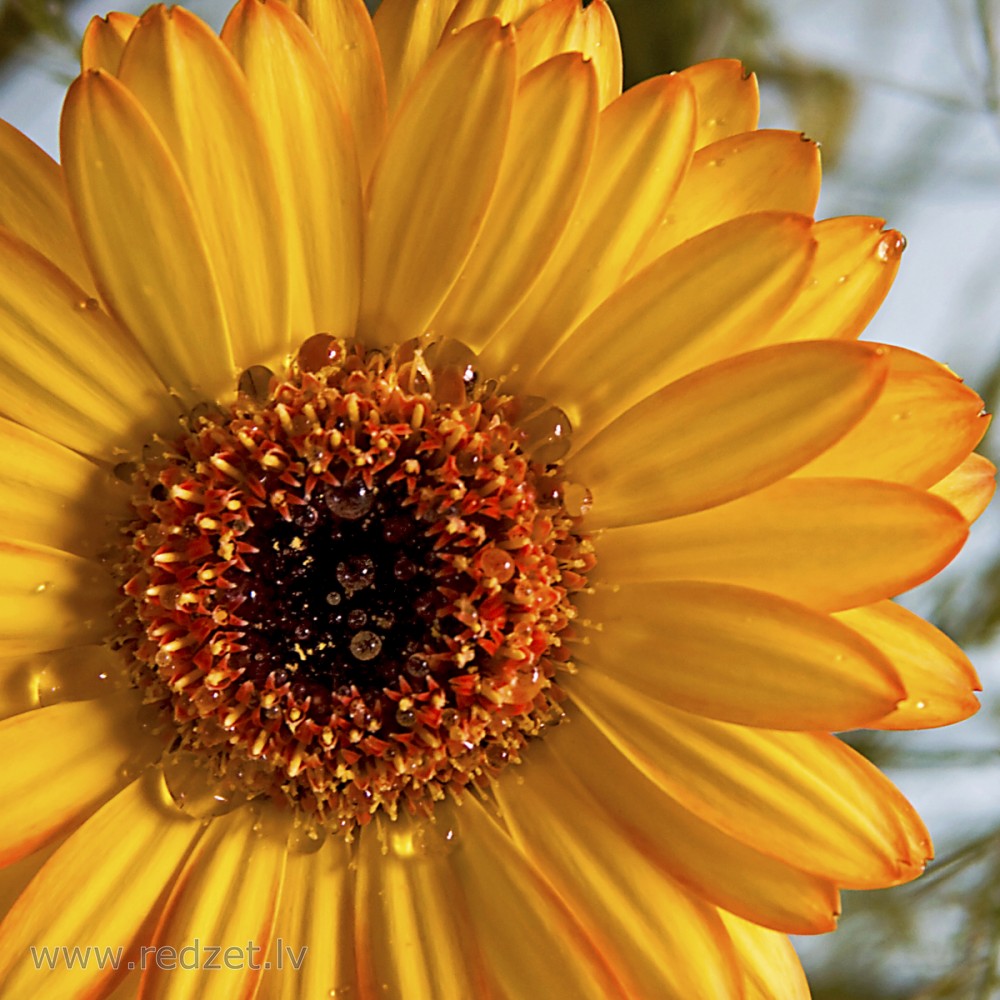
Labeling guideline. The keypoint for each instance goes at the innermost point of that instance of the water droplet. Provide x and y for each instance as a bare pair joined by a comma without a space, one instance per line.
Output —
357,619
920,705
319,351
255,383
350,502
125,471
891,246
45,585
418,666
579,500
195,790
88,305
333,598
546,435
356,573
496,755
366,645
307,840
406,717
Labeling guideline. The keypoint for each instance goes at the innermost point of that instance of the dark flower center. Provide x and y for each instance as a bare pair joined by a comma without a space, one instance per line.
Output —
350,588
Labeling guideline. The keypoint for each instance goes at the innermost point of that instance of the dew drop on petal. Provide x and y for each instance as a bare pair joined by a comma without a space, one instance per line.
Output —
366,645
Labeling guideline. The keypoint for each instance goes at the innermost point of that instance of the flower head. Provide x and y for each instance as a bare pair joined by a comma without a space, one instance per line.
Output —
447,509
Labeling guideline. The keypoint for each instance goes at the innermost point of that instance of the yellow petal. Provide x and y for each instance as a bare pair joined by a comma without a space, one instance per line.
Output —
828,543
142,238
726,430
346,35
439,165
662,940
771,969
50,599
692,307
412,922
70,758
566,26
33,204
104,41
509,902
551,138
923,425
316,912
762,171
970,486
738,655
855,264
226,895
711,864
727,98
508,11
312,148
95,899
937,675
643,145
195,95
54,496
408,34
800,797
68,370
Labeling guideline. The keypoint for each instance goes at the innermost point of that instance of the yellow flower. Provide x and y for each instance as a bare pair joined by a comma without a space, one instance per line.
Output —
379,398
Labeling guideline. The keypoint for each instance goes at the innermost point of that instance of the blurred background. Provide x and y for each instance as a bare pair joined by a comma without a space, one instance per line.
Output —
904,96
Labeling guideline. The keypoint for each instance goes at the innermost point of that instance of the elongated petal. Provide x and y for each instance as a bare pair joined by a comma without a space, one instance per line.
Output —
70,759
408,34
665,941
970,486
855,265
508,11
50,599
88,897
344,31
509,902
314,927
762,171
142,239
566,26
194,93
692,307
312,148
227,894
104,41
800,797
650,123
771,970
551,139
67,368
727,430
829,543
33,204
738,655
712,864
727,97
54,496
412,923
439,164
937,675
924,424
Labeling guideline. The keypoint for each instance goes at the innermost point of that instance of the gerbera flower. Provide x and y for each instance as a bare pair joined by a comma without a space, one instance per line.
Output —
446,510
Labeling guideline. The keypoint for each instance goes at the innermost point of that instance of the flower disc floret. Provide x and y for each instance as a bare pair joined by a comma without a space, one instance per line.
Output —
349,589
